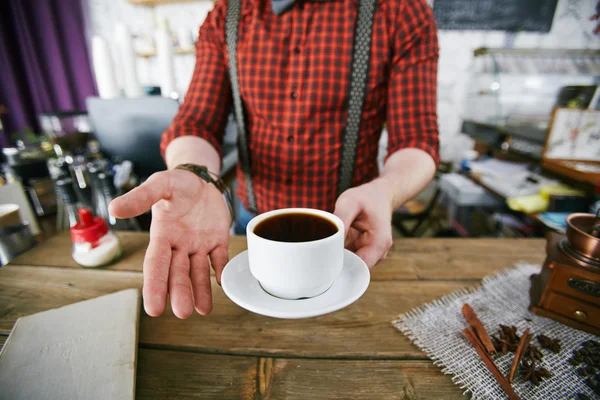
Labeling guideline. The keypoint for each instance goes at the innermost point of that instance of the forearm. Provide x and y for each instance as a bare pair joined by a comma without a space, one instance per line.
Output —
195,150
405,174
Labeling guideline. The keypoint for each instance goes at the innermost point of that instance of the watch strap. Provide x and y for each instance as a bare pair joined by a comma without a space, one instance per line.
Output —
203,173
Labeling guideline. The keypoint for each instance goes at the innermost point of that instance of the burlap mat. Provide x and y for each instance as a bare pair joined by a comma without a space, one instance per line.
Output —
501,299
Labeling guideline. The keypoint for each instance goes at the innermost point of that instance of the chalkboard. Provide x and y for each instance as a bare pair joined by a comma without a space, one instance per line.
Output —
503,15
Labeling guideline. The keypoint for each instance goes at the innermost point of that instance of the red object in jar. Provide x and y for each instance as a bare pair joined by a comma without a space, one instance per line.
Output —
89,228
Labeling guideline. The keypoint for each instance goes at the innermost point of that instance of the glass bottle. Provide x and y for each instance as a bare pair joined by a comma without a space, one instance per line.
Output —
67,204
105,192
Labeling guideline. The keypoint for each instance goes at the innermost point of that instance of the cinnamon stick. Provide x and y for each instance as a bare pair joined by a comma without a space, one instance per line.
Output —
489,363
477,326
523,343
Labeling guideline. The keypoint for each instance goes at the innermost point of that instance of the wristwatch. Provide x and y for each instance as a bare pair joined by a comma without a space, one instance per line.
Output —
203,173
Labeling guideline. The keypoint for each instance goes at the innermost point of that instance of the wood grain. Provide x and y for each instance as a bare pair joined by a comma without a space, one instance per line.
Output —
436,259
183,375
27,290
179,375
352,353
56,252
362,330
348,379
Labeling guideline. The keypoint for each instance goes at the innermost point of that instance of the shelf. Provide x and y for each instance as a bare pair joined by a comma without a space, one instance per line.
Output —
152,3
179,50
539,52
564,168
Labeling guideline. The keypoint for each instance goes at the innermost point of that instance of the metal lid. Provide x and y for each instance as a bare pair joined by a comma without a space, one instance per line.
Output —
579,227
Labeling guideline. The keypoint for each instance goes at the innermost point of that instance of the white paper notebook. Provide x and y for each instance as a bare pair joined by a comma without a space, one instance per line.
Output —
86,350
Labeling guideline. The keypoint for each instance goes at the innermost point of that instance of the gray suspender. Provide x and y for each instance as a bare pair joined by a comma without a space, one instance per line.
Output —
358,84
360,68
231,35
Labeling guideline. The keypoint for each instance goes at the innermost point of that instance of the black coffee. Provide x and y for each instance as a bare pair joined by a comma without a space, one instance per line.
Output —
295,227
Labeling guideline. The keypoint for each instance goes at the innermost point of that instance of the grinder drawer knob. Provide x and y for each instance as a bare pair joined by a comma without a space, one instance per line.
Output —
580,315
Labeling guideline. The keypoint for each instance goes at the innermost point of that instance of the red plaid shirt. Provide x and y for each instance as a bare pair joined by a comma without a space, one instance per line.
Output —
294,74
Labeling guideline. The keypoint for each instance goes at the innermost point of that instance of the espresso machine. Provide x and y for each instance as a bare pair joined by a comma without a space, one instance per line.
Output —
568,287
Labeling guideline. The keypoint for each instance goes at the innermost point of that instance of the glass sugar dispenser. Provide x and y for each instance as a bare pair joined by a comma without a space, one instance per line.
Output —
94,244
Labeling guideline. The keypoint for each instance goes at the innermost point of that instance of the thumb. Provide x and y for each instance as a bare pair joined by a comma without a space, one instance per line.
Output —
140,199
347,210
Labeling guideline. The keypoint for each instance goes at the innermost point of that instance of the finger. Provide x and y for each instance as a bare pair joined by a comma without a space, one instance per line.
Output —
347,210
373,251
180,286
156,276
140,199
201,283
219,257
351,242
370,255
361,240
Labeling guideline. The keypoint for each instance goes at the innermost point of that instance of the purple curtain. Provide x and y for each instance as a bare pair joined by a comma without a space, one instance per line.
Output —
44,61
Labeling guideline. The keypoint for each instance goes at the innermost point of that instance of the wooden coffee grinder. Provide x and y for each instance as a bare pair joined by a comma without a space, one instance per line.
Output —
568,287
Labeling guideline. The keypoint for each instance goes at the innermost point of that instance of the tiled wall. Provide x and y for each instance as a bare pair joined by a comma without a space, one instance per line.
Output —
571,29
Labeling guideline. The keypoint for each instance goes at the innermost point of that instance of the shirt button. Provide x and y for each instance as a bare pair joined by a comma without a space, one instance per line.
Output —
294,95
297,50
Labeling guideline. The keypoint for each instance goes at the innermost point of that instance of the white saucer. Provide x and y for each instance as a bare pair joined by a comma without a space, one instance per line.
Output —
244,290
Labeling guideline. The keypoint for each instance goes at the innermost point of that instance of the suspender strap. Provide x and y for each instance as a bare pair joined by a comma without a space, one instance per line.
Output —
358,83
231,36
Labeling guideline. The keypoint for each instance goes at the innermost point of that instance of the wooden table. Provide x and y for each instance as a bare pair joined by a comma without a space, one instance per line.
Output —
351,353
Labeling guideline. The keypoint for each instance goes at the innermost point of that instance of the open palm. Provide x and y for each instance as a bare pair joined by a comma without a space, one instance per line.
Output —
190,224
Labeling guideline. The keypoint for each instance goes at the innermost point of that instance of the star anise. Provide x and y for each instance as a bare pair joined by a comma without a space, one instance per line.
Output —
533,353
502,345
510,332
551,344
507,339
533,375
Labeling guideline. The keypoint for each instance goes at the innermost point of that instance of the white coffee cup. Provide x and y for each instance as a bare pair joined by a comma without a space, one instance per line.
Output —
294,270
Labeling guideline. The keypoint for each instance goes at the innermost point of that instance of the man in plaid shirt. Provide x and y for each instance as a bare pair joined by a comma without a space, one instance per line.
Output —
294,60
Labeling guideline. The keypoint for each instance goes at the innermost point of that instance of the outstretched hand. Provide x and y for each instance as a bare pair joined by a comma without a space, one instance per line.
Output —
189,230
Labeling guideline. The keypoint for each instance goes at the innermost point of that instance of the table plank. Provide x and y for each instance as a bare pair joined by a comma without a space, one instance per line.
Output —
185,375
407,259
56,252
349,379
28,290
456,259
179,375
362,330
2,341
